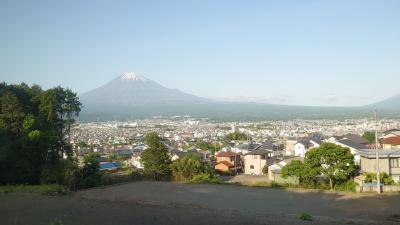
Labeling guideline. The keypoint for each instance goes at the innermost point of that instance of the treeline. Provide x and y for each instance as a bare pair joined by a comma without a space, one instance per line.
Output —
34,131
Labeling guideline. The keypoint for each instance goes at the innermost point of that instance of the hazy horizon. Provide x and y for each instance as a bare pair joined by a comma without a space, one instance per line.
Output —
313,53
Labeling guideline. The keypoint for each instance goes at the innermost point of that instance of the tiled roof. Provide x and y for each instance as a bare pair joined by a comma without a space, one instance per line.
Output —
226,154
228,164
392,140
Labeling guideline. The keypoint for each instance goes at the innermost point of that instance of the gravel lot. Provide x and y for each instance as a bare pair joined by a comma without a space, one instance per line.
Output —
172,203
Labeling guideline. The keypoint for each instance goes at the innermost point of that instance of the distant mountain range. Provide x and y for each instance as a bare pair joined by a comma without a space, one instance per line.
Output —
131,96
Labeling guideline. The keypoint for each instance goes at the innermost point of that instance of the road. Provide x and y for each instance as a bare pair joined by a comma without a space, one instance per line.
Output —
173,203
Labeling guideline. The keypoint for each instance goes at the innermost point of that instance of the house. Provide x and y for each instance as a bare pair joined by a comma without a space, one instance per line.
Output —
389,162
275,148
228,161
392,142
290,147
352,141
303,145
245,148
274,171
391,133
176,154
255,161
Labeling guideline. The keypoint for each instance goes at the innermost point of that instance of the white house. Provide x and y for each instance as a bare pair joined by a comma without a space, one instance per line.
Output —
302,146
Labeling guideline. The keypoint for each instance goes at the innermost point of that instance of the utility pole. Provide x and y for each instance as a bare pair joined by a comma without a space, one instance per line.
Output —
378,179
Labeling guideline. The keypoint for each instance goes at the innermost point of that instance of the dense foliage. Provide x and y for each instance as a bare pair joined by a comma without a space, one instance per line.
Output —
34,130
369,136
384,178
186,168
155,158
334,162
236,137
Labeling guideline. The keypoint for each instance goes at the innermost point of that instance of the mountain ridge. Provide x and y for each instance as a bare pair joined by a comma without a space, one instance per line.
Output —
132,96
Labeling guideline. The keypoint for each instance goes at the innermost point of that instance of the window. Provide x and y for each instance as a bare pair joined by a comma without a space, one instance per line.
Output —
255,156
395,163
252,167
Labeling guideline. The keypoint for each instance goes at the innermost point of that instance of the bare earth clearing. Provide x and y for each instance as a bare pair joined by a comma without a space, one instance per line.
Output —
172,203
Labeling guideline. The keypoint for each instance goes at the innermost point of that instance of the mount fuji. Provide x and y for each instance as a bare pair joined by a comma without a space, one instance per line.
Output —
131,96
131,89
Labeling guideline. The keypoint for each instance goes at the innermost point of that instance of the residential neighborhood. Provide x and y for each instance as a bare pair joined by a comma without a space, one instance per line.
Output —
260,152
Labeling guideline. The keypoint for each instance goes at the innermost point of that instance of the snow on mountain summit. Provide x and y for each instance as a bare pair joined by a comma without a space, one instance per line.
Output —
133,77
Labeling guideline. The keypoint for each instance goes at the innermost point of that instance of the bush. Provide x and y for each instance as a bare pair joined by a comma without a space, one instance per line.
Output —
349,185
64,173
205,178
306,217
186,168
50,189
384,178
136,174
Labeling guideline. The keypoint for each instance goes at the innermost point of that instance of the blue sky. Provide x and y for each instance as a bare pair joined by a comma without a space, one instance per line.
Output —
289,52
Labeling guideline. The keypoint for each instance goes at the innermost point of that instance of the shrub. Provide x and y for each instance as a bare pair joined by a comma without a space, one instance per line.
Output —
384,178
306,217
205,178
48,189
349,185
136,174
185,168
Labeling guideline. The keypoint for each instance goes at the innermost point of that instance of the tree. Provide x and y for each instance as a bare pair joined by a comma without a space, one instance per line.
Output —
294,168
32,130
369,136
333,161
155,158
235,137
186,168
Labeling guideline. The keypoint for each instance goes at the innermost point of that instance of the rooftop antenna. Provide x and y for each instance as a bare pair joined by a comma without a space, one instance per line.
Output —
378,179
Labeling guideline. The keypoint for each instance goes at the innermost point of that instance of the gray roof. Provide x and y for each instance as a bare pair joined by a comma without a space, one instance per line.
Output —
249,147
352,144
383,153
259,152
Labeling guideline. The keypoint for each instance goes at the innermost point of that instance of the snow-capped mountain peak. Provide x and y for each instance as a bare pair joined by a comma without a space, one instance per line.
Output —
132,77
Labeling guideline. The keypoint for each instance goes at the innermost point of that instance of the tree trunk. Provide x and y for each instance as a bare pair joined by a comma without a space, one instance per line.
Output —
331,183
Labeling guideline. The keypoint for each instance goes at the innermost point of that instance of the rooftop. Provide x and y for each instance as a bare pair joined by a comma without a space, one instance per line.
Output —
383,153
392,140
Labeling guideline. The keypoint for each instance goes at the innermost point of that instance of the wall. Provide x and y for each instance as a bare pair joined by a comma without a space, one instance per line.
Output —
257,163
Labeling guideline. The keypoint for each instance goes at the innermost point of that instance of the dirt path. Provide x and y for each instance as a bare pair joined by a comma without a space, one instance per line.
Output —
171,203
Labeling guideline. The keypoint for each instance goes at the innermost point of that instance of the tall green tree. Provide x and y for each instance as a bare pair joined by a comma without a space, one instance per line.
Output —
333,161
329,160
155,158
33,125
369,136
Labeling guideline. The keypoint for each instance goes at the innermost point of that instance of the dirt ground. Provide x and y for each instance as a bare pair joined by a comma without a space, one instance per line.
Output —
172,203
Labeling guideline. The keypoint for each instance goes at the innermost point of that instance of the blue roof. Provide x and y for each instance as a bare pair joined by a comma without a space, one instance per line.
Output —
105,166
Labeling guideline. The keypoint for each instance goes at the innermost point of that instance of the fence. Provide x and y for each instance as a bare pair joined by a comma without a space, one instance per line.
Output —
372,187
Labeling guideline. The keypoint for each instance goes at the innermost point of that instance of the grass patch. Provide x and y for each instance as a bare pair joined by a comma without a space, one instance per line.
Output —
57,222
45,189
306,217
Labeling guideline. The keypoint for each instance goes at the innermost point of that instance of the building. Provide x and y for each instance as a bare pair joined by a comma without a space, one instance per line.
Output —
392,142
246,148
227,162
302,146
391,133
389,162
290,147
353,142
255,161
